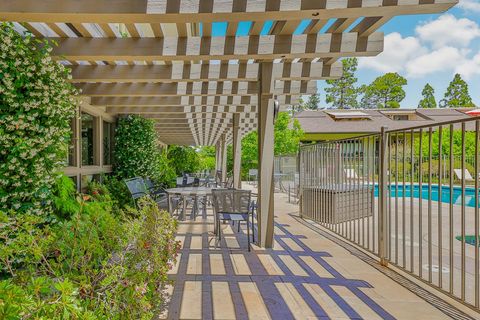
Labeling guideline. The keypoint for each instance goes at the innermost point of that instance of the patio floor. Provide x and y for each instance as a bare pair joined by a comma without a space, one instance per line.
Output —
305,276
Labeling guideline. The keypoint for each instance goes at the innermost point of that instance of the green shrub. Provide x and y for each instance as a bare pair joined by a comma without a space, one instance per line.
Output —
36,106
94,265
118,192
64,203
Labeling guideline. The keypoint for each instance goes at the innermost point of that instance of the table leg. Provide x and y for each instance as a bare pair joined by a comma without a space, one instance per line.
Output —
184,211
195,208
205,200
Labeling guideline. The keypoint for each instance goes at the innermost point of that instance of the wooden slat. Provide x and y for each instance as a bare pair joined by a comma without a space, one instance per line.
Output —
315,26
33,30
132,30
195,48
108,30
174,11
55,28
369,25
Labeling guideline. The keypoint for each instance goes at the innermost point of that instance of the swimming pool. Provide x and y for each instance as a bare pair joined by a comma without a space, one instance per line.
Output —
445,193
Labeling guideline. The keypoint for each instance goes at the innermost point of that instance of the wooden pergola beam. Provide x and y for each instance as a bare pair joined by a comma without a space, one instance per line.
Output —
181,110
213,88
268,47
185,101
200,72
174,11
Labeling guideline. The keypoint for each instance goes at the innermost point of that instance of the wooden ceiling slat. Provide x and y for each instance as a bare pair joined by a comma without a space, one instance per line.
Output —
32,30
108,30
220,48
132,30
55,28
157,30
131,11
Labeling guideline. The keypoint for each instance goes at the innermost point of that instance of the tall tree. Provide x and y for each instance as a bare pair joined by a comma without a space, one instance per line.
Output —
342,93
312,102
384,92
287,133
457,95
428,101
294,109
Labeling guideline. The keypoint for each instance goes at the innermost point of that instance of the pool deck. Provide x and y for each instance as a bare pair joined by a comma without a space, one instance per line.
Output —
307,275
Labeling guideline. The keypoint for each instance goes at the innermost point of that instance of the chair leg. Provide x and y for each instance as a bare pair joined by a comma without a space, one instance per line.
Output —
248,235
253,229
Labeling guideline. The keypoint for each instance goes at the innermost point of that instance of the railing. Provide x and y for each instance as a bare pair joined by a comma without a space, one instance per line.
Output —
286,176
408,196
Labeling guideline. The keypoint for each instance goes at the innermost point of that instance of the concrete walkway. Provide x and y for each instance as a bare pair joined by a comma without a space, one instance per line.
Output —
305,276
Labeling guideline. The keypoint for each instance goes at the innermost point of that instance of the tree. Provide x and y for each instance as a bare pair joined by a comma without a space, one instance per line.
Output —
428,100
342,93
457,95
136,152
183,159
312,102
287,134
384,92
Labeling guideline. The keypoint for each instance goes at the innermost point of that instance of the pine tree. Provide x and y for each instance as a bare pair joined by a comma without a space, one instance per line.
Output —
342,93
384,92
313,102
457,95
428,101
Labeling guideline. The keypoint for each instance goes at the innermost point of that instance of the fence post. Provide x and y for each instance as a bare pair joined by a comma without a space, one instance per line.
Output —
382,198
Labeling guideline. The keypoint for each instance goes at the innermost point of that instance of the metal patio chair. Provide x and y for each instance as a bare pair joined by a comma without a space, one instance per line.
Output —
138,189
232,205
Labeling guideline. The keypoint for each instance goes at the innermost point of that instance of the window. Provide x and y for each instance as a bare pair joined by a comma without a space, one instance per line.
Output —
403,115
108,142
349,115
88,139
399,117
70,160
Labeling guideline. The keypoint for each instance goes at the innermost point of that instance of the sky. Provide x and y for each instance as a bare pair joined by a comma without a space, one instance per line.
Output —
428,49
422,48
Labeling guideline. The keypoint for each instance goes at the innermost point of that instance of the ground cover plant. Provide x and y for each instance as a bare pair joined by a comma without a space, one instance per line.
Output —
65,254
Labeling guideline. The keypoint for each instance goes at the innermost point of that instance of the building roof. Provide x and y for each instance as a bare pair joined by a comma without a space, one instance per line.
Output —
322,124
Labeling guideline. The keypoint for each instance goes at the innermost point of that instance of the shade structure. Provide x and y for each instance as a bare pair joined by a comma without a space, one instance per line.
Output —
209,71
170,55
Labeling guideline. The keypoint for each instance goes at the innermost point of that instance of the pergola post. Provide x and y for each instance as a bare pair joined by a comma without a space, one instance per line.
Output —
217,157
237,152
223,157
265,157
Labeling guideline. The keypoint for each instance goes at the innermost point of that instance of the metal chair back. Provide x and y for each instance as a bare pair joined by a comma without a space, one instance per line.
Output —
231,201
137,188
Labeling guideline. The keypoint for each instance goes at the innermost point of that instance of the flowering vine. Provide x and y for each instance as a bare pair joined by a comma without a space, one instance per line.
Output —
36,106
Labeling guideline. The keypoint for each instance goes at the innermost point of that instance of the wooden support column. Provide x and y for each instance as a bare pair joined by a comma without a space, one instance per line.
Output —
265,157
217,156
223,157
237,152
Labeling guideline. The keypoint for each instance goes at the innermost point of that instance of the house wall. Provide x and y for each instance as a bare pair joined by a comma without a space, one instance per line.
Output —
83,173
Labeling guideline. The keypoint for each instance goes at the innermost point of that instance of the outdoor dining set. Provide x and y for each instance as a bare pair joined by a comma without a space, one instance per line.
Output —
199,192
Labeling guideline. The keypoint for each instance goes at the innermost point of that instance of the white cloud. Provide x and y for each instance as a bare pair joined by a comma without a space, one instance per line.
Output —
441,45
448,30
470,5
443,59
469,67
397,52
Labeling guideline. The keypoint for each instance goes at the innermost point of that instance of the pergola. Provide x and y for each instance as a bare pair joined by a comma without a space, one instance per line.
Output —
210,71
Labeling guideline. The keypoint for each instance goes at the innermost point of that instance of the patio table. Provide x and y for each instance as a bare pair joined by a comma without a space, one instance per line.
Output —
189,192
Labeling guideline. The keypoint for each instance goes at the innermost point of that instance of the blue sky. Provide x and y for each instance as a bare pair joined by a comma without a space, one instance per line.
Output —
422,48
429,49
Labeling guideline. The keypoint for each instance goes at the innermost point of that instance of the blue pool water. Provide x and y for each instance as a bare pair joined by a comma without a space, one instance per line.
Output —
445,193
